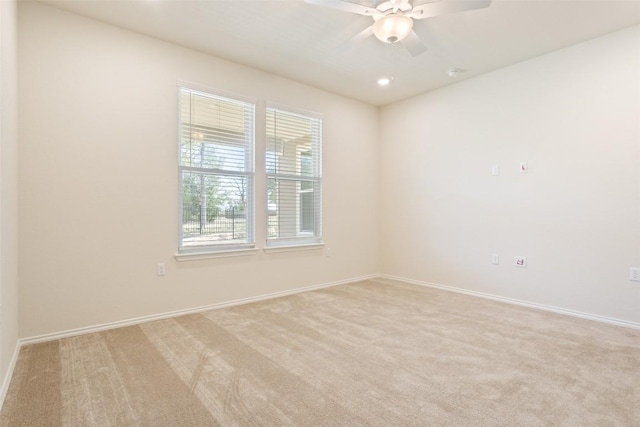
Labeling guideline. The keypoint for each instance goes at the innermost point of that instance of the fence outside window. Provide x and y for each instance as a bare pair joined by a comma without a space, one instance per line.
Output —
213,224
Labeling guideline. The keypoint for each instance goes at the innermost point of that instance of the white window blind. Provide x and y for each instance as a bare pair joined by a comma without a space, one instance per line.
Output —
216,163
294,177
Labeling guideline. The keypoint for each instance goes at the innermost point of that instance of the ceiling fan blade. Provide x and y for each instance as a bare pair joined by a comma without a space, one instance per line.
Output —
443,7
362,35
413,44
346,7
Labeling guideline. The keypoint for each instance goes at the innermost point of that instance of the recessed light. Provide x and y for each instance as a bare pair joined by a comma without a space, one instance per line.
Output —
385,81
454,72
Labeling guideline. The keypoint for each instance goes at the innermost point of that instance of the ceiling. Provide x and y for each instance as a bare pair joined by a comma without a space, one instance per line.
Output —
310,44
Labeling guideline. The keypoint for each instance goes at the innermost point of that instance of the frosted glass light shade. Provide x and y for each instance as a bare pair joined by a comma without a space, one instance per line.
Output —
392,28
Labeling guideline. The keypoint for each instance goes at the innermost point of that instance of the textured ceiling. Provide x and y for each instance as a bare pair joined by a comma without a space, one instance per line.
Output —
310,44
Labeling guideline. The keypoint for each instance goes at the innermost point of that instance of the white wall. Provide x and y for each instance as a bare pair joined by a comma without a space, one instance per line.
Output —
8,186
574,117
98,178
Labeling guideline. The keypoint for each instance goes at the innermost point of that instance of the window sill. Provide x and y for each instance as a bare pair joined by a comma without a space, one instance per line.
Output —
293,248
195,256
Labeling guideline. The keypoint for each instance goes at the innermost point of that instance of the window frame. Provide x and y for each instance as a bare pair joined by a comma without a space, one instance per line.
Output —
187,252
304,239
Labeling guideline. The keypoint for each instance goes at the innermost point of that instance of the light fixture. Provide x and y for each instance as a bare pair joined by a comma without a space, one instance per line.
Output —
393,27
454,72
385,81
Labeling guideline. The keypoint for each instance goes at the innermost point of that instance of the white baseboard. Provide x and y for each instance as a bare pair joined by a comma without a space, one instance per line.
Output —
559,310
9,374
142,319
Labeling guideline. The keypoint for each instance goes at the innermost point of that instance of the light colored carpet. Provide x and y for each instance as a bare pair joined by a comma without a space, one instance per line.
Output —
368,353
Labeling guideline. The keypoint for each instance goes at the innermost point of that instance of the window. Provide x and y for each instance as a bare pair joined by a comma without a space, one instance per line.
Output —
294,178
216,171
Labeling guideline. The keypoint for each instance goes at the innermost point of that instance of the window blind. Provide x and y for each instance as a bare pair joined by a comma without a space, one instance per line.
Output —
216,163
294,177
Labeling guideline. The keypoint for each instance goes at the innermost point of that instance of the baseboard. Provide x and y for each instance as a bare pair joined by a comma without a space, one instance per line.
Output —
142,319
9,374
559,310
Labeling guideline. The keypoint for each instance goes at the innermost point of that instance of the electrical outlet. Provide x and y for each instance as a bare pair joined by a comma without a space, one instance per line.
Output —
327,252
162,269
523,167
520,261
495,170
495,259
634,274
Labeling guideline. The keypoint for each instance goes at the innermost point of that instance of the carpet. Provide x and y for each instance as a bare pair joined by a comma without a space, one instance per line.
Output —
378,352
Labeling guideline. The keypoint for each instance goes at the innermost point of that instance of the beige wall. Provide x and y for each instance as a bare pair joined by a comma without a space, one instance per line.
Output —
574,117
98,178
8,186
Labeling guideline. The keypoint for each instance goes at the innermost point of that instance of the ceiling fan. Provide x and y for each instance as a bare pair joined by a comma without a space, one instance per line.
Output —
393,19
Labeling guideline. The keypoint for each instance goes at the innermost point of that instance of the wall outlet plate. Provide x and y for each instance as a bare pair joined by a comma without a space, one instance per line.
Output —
634,274
520,261
495,259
